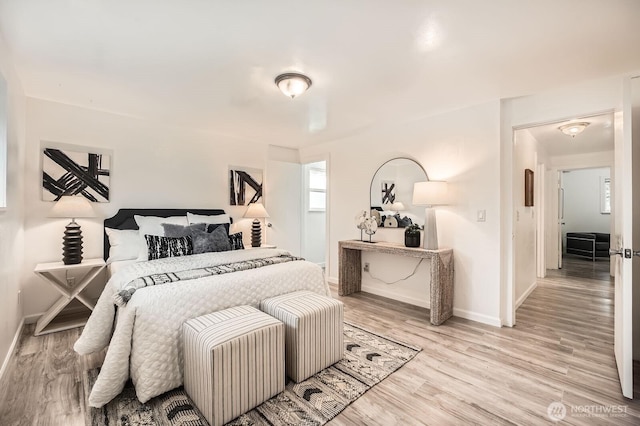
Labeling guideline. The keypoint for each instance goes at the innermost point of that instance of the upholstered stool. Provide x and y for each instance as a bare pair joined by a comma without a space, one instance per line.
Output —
314,336
233,361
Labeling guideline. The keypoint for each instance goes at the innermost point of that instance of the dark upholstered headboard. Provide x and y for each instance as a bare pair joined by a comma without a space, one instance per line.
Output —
124,219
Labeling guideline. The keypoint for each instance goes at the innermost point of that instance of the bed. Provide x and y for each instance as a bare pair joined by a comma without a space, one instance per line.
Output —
144,334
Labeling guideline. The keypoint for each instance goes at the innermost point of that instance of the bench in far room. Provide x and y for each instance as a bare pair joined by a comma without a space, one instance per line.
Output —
588,244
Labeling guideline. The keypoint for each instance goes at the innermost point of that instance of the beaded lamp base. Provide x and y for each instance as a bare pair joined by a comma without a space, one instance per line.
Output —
256,233
72,244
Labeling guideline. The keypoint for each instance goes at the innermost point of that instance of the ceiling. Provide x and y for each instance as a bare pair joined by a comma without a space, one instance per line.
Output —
211,64
596,137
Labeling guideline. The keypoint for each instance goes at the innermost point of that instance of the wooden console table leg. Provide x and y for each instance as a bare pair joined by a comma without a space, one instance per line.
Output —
441,288
349,273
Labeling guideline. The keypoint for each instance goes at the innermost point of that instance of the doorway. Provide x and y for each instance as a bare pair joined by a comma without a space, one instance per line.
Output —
585,225
314,212
540,231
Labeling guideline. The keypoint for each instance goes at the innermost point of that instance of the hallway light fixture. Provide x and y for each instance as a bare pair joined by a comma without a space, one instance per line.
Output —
293,84
572,129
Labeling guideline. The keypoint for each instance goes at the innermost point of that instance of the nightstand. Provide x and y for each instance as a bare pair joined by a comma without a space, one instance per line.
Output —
268,246
53,320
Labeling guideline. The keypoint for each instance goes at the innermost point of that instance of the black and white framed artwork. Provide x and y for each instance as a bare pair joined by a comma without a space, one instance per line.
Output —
245,186
388,192
78,172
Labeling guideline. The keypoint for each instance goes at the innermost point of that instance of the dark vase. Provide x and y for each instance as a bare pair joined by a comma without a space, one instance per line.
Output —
411,239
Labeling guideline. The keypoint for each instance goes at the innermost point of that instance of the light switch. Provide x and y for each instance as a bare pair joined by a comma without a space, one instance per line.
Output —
482,216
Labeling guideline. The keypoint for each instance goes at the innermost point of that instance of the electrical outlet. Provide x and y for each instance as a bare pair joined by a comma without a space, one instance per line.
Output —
366,266
71,281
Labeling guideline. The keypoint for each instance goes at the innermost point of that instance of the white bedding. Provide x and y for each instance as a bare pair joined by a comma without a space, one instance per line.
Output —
146,343
118,265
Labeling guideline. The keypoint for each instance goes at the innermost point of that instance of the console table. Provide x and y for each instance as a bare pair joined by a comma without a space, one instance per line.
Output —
350,272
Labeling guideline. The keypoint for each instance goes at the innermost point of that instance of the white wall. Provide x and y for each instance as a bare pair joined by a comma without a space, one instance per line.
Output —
153,166
582,202
524,154
11,218
461,147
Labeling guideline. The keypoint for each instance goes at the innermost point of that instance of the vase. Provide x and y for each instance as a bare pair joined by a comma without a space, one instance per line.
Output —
412,239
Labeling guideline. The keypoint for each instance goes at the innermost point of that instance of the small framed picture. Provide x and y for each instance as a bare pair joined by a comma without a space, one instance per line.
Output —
528,188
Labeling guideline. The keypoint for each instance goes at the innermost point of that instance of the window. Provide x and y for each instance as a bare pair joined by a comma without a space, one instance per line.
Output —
317,190
605,195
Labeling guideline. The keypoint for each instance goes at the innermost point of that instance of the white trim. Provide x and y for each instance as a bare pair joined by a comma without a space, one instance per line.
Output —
332,280
474,316
395,296
5,363
32,319
526,294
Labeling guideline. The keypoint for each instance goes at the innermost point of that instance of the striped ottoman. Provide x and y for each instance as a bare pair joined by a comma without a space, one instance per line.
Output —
313,331
233,361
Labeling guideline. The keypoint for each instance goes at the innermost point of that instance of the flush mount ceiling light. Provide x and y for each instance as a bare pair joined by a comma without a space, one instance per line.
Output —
293,84
572,129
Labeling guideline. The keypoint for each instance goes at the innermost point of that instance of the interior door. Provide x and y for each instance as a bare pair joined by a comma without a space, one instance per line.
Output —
622,242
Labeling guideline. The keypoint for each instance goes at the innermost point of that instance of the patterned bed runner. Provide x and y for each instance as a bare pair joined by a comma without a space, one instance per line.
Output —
122,297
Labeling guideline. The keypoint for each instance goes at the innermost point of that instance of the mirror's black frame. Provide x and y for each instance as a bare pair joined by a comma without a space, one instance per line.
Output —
414,214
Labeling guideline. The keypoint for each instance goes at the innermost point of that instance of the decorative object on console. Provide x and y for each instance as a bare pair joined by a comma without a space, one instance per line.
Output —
257,212
367,223
245,186
370,226
80,173
528,188
390,222
412,236
430,194
293,84
72,207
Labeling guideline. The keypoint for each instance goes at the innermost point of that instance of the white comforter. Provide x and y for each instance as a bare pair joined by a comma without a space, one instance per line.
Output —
146,343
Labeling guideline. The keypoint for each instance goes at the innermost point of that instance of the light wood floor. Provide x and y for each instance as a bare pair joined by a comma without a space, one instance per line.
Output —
467,373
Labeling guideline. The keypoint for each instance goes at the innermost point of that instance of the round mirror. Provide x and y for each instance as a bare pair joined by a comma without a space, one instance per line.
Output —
392,192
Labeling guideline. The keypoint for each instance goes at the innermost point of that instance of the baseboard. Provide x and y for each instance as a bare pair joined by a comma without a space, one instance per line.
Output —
32,319
7,358
474,316
395,296
526,294
332,280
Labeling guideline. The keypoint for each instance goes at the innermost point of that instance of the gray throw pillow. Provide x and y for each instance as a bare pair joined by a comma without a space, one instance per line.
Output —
174,231
204,242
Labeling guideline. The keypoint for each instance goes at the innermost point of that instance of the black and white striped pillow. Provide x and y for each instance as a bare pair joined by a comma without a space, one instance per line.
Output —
236,241
160,247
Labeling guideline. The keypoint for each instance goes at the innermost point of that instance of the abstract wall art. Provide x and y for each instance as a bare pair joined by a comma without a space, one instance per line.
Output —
245,186
80,173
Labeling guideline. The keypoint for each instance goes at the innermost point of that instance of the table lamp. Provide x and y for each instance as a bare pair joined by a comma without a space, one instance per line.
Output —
72,207
257,212
430,194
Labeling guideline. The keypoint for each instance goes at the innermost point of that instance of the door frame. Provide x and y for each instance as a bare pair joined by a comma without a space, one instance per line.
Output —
326,157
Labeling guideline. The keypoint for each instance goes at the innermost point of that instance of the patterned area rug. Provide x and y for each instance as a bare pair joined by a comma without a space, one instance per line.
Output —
368,359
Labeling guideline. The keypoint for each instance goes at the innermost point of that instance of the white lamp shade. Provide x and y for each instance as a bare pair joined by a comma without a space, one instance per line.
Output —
256,210
398,206
72,206
430,193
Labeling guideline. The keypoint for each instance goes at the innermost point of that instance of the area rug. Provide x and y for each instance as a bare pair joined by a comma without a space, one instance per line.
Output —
368,359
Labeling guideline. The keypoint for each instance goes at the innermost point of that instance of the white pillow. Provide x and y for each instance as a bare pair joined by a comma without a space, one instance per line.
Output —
216,218
152,225
125,244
